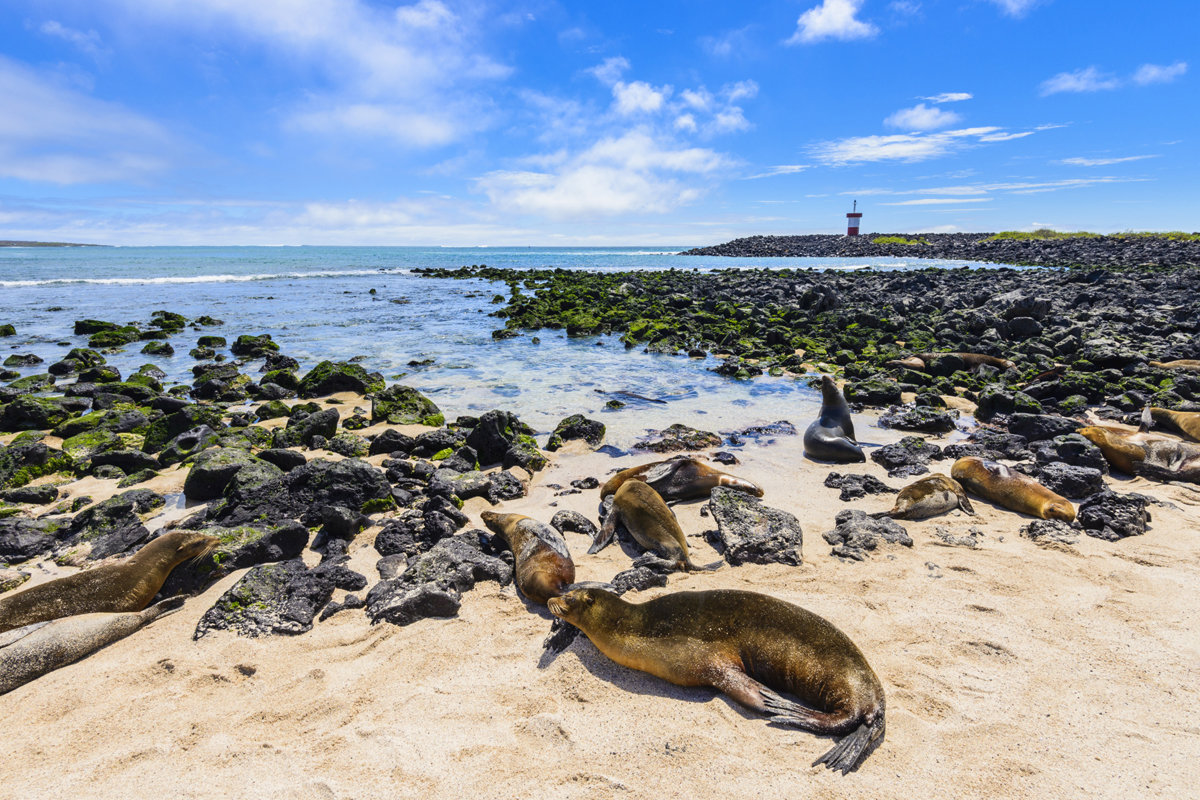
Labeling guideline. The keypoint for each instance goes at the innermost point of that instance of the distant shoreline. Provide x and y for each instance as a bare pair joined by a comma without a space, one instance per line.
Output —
15,243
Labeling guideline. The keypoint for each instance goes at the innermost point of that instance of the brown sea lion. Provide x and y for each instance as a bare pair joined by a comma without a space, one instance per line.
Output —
748,646
919,361
932,495
1150,455
1186,422
648,519
127,585
831,436
45,646
1011,489
679,478
543,564
1185,364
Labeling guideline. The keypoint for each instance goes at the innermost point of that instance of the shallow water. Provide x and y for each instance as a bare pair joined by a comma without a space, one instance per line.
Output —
316,303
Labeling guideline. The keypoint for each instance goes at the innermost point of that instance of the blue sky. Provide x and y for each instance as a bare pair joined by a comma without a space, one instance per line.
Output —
543,123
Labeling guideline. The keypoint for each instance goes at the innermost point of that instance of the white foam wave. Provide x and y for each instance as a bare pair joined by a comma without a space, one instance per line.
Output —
224,278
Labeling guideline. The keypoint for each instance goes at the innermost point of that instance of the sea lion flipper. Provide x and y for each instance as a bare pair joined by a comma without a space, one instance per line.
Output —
604,536
659,471
844,755
964,503
1147,420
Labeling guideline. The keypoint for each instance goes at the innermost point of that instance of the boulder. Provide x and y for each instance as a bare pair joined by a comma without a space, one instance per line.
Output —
212,470
574,427
910,456
857,533
1111,516
856,486
750,532
330,377
679,438
1071,481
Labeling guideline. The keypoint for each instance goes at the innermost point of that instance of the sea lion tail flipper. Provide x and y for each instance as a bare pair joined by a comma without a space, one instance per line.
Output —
964,503
562,633
1147,420
604,536
694,567
881,514
844,755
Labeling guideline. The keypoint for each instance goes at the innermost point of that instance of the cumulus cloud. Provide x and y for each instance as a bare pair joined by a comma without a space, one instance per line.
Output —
611,70
638,97
1081,80
379,63
53,134
922,118
833,19
1153,73
632,173
949,97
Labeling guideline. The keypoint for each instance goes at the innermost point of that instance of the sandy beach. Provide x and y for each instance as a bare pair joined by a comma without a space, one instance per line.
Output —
1013,669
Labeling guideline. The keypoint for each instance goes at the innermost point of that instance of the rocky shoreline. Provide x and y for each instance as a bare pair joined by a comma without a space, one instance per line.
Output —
1133,250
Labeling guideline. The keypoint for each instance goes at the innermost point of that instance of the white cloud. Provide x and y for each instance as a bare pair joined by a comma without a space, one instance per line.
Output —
949,97
700,99
632,173
901,147
921,118
53,134
379,63
939,201
1016,8
1102,162
1153,73
611,70
685,122
1081,80
782,169
1006,137
727,44
638,97
905,8
833,19
87,42
969,190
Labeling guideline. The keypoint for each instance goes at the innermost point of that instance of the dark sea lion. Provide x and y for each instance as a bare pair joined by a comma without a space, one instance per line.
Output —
932,495
127,585
1185,364
1186,422
680,478
747,646
1150,455
648,519
543,564
1011,489
46,646
831,436
972,360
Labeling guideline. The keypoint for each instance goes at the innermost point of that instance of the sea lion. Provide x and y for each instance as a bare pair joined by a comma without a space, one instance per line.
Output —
747,646
919,361
1150,455
43,647
680,478
1186,422
127,585
1185,364
1011,489
932,495
543,564
644,514
831,436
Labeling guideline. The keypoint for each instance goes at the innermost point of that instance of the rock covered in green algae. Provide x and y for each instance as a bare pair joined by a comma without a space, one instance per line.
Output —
404,405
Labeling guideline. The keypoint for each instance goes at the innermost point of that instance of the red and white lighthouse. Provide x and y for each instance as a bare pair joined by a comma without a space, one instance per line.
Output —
852,219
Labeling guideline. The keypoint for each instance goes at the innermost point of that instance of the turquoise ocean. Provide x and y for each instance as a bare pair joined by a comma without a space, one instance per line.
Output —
316,302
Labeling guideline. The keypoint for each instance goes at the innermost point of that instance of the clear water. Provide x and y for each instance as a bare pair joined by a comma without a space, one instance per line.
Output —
316,303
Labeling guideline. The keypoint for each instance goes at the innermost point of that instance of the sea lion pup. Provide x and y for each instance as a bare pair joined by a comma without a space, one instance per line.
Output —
543,564
1186,364
1150,455
1009,488
680,478
919,361
46,646
127,585
1186,422
747,646
644,514
932,495
831,436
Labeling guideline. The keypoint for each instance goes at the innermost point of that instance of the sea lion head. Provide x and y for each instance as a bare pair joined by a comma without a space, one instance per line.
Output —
741,484
829,391
492,519
192,544
1059,509
583,607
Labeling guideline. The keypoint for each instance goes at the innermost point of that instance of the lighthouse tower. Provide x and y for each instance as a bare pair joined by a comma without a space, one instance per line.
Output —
852,219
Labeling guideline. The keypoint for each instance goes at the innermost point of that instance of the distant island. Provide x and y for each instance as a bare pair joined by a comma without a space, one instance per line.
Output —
15,243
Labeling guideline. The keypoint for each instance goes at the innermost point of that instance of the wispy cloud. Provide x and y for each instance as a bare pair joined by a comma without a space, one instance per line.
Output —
633,173
1153,73
1102,162
910,147
981,189
780,169
833,19
54,134
727,44
949,97
1089,79
939,201
1016,8
88,42
922,118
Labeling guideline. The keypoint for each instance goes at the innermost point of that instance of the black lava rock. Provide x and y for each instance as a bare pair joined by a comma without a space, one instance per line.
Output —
856,486
857,533
749,532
